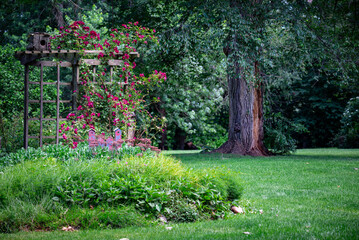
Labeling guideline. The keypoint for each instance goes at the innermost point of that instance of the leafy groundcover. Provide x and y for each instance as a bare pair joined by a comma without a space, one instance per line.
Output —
87,188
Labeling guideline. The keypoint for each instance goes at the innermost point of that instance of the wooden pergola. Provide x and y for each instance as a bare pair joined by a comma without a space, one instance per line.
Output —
39,56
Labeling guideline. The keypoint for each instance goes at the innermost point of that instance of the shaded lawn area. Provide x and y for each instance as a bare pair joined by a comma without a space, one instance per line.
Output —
313,194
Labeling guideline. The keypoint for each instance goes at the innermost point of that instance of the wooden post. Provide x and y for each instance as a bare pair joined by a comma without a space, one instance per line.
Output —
75,78
94,74
41,100
58,104
131,130
26,106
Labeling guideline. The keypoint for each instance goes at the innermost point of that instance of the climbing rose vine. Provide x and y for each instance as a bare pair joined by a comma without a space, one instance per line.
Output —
107,101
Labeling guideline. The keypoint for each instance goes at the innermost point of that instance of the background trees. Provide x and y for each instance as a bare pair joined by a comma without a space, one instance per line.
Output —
300,56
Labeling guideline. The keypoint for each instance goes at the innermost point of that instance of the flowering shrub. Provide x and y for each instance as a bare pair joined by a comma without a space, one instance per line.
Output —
107,101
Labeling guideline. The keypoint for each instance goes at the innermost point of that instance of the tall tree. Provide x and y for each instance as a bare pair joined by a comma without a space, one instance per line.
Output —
245,85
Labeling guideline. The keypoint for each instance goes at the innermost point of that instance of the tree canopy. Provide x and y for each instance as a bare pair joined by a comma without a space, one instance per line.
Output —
282,72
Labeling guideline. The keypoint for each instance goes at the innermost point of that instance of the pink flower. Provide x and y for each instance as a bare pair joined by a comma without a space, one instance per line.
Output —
75,130
106,43
98,114
100,55
100,46
154,30
84,126
142,75
93,34
64,136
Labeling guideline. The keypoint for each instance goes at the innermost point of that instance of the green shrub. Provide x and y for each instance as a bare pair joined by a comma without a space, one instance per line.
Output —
39,189
211,140
278,133
348,136
31,180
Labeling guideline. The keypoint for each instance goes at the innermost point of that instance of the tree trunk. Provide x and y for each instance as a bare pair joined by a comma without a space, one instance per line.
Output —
180,137
245,134
59,16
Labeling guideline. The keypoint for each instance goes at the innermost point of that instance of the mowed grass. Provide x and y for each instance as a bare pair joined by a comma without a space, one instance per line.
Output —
312,194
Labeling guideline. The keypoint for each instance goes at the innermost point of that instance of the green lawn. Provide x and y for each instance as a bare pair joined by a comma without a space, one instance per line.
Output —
313,194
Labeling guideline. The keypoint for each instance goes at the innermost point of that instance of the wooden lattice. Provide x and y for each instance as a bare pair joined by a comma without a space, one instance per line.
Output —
69,58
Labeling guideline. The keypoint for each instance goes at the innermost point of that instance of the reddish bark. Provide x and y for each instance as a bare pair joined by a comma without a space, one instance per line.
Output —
245,133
